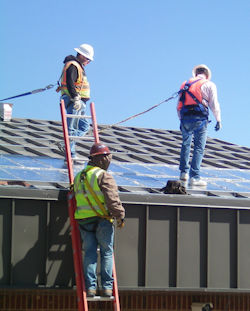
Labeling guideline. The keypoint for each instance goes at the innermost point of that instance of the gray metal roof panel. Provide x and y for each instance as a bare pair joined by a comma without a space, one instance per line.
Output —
129,145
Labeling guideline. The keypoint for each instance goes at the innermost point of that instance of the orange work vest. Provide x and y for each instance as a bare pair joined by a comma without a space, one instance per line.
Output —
195,89
81,84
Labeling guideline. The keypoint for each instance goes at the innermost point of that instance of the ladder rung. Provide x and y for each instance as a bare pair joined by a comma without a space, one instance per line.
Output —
81,137
77,116
100,298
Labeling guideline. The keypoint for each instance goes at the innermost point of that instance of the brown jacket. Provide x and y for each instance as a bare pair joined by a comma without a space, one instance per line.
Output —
109,188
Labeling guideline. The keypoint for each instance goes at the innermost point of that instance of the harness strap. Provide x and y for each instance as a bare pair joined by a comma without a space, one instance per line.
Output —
193,97
191,83
98,202
200,106
186,89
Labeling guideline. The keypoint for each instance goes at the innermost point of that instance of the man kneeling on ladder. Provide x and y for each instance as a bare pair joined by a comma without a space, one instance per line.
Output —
98,204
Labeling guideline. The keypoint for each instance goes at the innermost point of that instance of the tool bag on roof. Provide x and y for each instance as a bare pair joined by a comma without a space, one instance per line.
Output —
174,187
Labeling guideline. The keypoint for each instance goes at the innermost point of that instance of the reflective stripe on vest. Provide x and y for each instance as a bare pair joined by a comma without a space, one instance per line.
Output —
81,84
83,209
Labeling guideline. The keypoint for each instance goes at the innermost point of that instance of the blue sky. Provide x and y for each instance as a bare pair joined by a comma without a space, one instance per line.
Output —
143,52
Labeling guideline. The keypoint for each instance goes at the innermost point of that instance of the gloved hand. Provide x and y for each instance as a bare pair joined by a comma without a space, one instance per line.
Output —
77,103
120,223
218,126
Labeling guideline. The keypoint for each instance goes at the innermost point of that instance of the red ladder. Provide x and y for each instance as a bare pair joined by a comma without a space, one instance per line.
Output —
82,298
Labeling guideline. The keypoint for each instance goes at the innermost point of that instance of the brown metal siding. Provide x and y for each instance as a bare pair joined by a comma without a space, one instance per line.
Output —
160,247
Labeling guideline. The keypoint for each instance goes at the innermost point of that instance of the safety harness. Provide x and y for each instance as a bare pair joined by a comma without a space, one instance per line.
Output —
198,109
85,183
81,84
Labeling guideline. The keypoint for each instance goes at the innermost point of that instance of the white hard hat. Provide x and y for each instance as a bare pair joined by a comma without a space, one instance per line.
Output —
203,67
86,50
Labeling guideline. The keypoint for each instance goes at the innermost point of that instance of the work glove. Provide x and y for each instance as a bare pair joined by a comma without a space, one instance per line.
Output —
77,103
218,126
120,223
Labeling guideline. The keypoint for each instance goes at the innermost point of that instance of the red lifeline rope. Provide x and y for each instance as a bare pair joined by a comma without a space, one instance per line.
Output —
140,113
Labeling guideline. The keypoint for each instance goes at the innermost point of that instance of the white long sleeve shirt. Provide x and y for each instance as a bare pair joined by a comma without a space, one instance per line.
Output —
210,98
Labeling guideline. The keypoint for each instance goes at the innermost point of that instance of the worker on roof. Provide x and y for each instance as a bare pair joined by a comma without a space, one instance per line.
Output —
98,204
75,91
197,95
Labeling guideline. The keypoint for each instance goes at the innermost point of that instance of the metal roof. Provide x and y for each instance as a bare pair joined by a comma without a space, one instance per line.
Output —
143,160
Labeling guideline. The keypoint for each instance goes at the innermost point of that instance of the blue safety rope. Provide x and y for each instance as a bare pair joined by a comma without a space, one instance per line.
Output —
31,92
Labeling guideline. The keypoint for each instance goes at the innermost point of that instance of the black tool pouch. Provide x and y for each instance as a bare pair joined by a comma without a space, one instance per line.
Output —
174,187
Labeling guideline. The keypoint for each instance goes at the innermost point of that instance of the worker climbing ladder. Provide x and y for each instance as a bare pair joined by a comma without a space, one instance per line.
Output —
82,298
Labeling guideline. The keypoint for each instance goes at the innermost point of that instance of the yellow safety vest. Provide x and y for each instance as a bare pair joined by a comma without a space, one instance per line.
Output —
84,197
81,84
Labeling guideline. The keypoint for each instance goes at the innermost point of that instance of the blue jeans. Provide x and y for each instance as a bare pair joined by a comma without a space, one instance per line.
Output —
100,232
193,127
76,127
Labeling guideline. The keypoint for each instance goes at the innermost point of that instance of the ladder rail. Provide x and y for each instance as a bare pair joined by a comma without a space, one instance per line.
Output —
77,256
66,142
75,236
116,301
94,123
75,233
